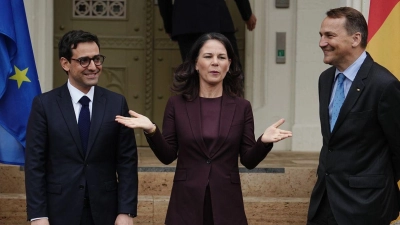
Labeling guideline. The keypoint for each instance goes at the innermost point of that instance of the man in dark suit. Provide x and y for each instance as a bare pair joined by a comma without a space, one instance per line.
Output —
360,124
78,176
187,20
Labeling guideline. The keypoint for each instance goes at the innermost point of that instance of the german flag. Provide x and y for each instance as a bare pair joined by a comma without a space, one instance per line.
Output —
384,33
384,38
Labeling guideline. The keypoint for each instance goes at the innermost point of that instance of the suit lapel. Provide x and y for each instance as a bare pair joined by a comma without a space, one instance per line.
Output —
355,91
228,107
194,115
65,103
98,108
325,90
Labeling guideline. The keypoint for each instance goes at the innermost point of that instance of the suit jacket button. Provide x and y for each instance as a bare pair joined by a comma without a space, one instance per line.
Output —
208,161
330,150
327,174
81,187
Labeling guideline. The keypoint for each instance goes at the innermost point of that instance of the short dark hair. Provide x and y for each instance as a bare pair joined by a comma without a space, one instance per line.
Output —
70,41
355,22
186,78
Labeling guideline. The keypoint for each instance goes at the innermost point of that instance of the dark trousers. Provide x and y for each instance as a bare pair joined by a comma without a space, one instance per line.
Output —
186,41
87,218
207,210
324,215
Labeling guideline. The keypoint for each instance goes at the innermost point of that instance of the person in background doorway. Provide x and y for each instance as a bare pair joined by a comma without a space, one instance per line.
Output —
186,20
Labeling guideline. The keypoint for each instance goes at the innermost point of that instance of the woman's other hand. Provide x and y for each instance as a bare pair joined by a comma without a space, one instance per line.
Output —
274,134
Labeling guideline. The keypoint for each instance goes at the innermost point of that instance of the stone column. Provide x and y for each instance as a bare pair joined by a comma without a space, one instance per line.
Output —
269,85
40,21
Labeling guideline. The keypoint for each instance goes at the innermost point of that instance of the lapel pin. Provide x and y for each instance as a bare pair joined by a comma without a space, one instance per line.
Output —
358,89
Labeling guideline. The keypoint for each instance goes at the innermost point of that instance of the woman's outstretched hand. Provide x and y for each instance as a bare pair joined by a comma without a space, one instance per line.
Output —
136,121
274,134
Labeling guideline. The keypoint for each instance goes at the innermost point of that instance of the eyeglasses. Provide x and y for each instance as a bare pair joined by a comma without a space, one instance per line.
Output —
85,61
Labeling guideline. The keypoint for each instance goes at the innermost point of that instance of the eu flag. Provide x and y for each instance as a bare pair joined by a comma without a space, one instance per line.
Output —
19,82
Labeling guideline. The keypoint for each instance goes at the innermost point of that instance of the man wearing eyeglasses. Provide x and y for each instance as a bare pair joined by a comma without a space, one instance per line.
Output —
81,165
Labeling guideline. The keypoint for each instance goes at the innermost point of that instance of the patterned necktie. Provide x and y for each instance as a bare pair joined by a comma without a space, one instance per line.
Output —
84,122
338,99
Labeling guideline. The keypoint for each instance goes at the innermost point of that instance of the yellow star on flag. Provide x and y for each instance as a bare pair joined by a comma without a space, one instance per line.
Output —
20,76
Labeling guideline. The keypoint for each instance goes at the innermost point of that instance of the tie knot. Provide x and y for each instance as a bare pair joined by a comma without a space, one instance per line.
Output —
340,78
84,101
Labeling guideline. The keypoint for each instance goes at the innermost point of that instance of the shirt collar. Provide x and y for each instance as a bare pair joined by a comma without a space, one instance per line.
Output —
351,72
76,94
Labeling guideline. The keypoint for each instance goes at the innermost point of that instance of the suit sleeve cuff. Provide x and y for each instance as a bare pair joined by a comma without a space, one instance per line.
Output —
39,218
268,146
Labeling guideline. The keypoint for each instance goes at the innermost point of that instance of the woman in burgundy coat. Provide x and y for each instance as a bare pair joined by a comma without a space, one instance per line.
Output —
206,127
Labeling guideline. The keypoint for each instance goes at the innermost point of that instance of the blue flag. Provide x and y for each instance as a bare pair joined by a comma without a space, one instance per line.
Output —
19,82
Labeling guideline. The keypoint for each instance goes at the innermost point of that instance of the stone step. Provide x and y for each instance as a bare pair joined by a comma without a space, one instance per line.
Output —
12,209
265,182
152,210
262,182
281,174
12,179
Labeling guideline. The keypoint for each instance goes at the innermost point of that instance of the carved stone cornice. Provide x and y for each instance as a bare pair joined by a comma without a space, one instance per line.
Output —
122,42
165,43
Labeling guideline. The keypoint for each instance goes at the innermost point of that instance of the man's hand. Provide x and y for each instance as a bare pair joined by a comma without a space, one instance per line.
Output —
43,221
124,219
251,22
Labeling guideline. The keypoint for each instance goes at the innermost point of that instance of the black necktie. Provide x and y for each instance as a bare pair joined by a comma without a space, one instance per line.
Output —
84,122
